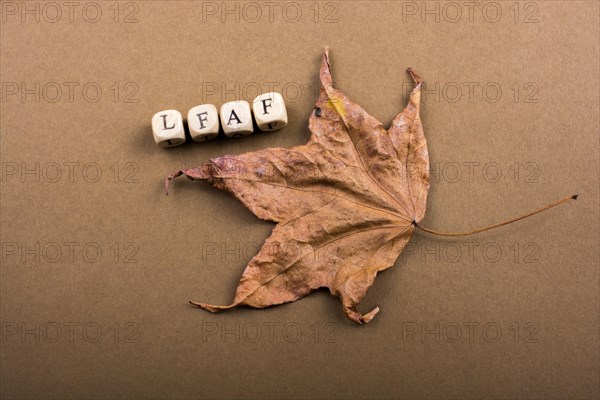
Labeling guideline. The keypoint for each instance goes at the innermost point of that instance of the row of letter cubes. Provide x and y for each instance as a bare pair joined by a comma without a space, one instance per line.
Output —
203,121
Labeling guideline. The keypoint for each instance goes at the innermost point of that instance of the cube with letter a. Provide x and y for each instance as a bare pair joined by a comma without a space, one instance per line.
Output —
236,118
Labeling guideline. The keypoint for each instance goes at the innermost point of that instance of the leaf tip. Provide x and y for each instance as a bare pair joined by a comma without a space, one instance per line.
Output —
369,316
210,307
170,177
414,75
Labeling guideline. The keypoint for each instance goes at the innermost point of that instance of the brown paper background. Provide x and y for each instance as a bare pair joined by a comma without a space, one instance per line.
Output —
512,313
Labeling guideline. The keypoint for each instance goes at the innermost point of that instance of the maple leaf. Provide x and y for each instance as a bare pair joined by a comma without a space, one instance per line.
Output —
346,203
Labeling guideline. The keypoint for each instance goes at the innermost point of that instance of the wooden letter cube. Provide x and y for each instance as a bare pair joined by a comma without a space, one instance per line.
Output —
269,111
167,128
203,122
236,118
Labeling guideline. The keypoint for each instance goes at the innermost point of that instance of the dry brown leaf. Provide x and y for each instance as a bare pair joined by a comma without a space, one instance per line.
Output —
345,203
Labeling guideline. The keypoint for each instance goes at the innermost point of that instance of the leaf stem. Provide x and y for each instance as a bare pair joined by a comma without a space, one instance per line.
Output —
539,210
